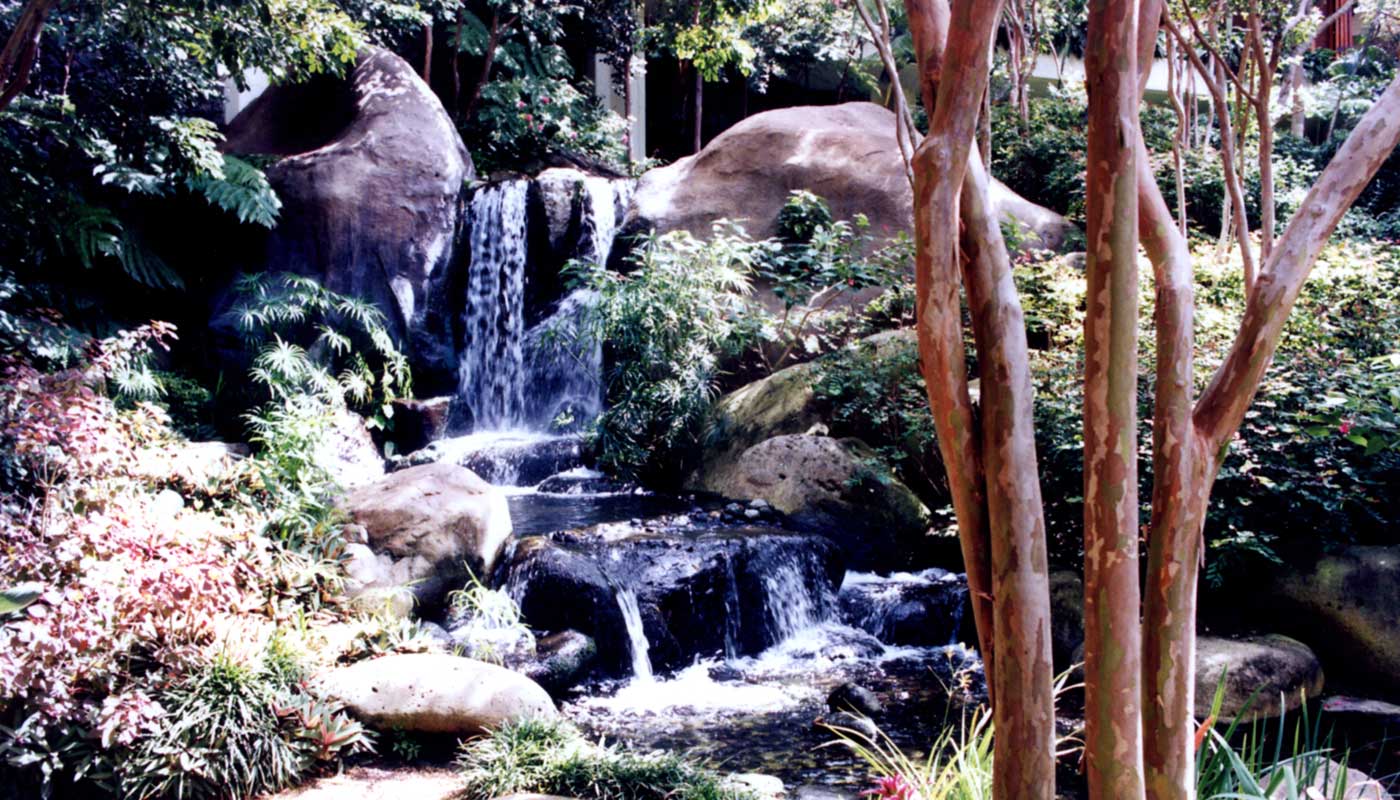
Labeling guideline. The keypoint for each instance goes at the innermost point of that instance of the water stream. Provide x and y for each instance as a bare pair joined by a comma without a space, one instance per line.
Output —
636,635
760,630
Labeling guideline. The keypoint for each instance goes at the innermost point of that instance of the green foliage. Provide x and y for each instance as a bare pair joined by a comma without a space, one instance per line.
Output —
522,119
1255,762
117,124
349,361
958,766
666,326
553,757
532,104
685,311
236,730
875,392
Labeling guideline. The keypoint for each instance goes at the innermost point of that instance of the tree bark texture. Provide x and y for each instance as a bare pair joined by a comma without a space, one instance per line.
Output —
22,49
1112,630
991,460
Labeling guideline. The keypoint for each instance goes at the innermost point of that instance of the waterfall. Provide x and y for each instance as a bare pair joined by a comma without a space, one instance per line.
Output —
791,603
731,610
565,364
491,370
636,636
511,378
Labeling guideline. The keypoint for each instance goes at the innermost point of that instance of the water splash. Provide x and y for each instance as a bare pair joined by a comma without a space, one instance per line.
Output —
636,635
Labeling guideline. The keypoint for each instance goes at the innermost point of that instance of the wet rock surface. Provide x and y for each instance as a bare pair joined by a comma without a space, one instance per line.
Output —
827,486
698,591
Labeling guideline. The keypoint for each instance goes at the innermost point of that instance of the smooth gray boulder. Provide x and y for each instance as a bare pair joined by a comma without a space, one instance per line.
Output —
845,153
1271,675
372,177
426,528
434,693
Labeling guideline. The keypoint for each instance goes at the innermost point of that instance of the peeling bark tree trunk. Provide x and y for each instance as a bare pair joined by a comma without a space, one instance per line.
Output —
991,462
1140,691
1112,633
21,49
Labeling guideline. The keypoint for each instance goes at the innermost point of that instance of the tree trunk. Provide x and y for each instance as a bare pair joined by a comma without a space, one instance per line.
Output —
493,43
1112,631
698,133
21,49
1003,501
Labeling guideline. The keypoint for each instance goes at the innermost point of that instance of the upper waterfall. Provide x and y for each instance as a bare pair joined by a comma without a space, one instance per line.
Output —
544,377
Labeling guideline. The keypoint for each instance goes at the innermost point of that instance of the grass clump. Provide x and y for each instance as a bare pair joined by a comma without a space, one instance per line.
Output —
553,757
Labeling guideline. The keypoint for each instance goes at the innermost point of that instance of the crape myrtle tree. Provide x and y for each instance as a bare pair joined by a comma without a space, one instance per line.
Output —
1140,639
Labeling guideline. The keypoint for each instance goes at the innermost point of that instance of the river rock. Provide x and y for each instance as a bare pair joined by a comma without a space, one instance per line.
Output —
847,723
1347,605
348,452
418,423
1066,618
435,524
704,593
756,785
845,153
562,660
854,698
1324,777
434,693
523,459
834,487
924,609
371,177
1271,674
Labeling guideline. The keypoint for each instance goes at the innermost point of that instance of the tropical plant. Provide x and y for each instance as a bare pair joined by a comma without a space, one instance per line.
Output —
958,765
553,757
235,730
666,326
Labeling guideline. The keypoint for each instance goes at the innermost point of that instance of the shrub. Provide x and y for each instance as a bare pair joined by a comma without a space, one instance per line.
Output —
552,757
235,730
666,326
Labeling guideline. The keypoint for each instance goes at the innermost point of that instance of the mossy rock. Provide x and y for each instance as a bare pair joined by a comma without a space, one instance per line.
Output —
1347,606
838,488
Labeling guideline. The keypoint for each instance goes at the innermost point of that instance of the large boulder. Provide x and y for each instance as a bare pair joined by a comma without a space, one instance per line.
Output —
1347,605
1264,676
835,487
435,693
429,527
845,153
371,176
782,403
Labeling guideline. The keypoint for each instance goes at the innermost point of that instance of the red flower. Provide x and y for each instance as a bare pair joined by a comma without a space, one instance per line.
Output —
893,787
1345,427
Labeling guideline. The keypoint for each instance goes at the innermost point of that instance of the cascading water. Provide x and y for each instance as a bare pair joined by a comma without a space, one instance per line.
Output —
636,635
540,381
792,605
491,370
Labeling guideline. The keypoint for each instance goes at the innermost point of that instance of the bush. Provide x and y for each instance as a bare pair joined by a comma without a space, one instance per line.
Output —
552,757
666,326
235,730
684,315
